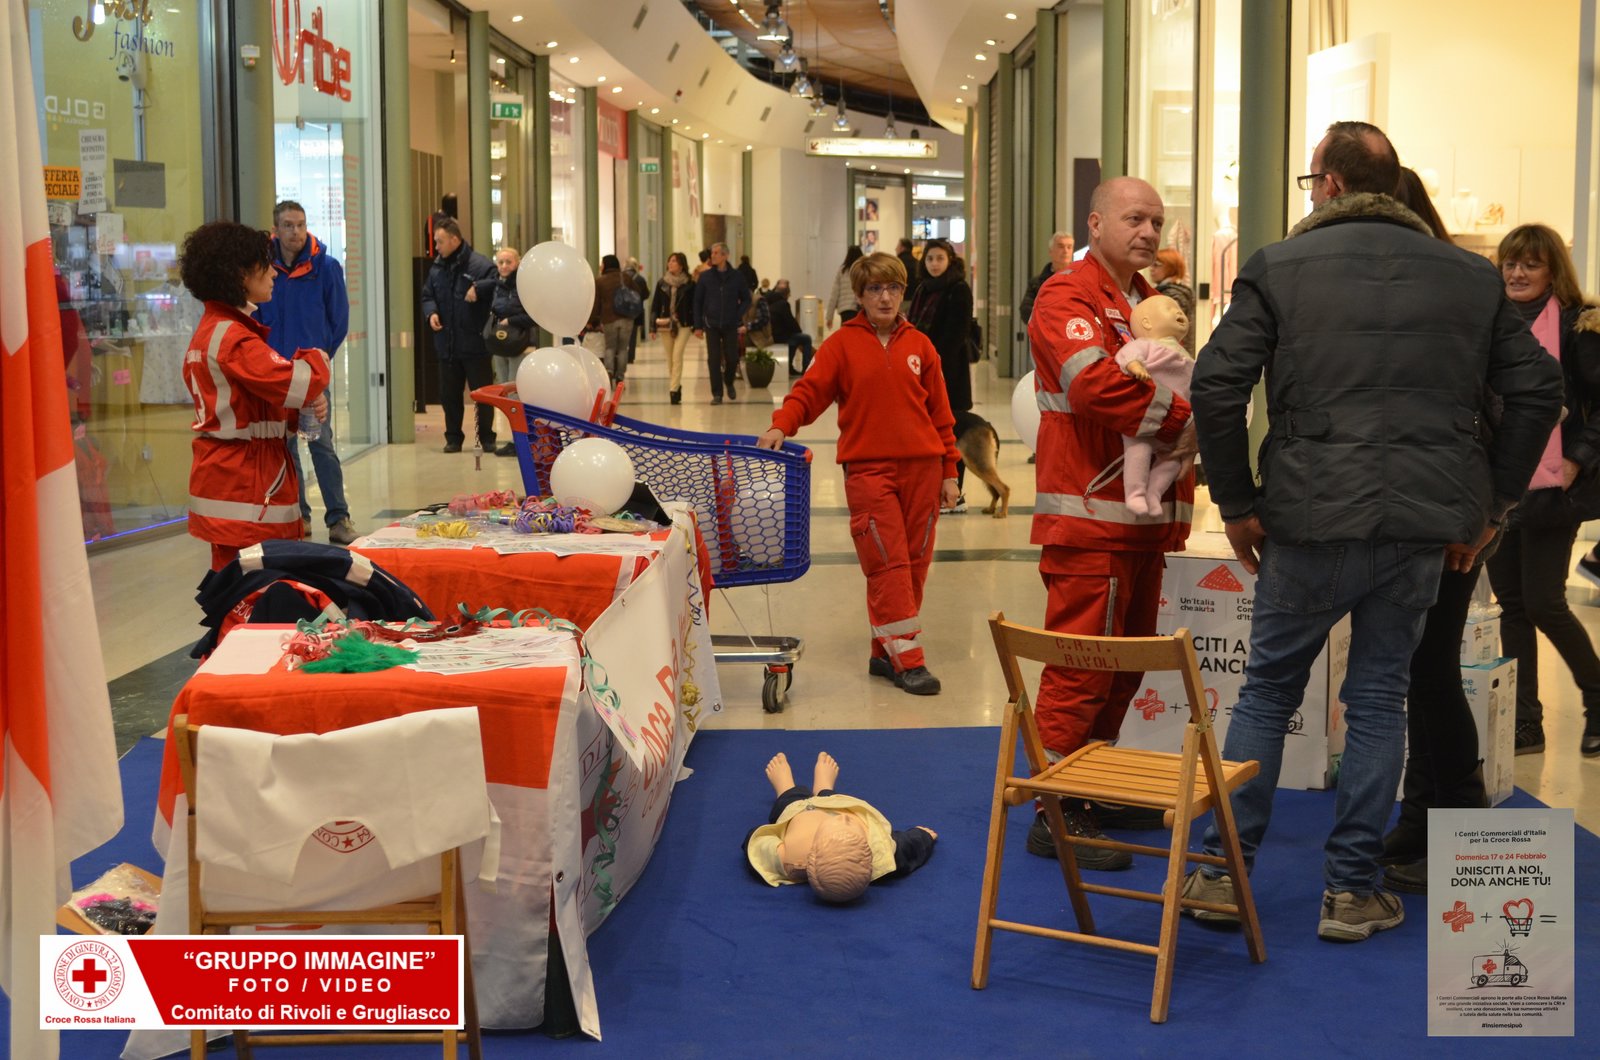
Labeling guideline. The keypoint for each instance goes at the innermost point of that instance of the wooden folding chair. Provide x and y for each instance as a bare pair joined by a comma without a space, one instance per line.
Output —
1185,785
443,913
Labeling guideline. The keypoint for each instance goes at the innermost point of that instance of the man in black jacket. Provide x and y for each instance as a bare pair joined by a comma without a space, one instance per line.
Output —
1378,342
1060,258
458,330
785,328
721,297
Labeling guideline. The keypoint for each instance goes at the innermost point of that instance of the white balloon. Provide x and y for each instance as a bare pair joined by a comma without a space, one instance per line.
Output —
757,521
1025,412
551,379
594,373
556,286
594,472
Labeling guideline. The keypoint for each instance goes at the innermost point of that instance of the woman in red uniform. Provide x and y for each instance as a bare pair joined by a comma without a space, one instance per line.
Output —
898,448
242,485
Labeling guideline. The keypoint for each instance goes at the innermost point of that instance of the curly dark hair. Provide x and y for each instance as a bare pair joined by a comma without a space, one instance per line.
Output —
218,255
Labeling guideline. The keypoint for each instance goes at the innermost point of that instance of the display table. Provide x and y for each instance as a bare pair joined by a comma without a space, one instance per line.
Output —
580,756
1208,591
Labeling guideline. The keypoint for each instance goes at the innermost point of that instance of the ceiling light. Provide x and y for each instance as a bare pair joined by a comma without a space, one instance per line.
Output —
889,132
516,18
982,58
705,136
819,107
908,170
674,121
773,27
452,56
960,100
573,59
965,87
1012,15
502,62
787,60
655,110
551,43
615,89
748,147
990,43
600,80
720,141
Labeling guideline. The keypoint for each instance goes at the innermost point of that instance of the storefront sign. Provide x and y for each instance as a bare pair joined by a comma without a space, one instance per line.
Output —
863,147
83,25
505,108
649,165
62,182
330,65
611,129
1500,923
92,160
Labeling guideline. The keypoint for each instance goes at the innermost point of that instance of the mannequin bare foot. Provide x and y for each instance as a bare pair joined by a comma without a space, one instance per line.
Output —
825,774
779,775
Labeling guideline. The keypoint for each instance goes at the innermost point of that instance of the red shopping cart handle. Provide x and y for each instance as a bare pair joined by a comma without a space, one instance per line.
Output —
503,396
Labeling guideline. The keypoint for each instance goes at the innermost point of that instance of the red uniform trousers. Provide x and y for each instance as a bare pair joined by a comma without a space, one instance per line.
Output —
1098,594
894,505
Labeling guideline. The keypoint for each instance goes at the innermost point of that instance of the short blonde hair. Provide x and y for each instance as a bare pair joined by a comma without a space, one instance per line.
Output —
513,251
839,867
876,268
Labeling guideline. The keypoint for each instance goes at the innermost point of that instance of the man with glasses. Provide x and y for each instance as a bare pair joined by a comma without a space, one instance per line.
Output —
1379,469
1101,563
898,446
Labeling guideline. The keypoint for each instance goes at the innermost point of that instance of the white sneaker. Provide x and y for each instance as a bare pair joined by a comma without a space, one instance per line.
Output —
959,508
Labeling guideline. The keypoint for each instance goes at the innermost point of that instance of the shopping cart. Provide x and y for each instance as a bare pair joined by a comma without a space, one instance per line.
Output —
753,505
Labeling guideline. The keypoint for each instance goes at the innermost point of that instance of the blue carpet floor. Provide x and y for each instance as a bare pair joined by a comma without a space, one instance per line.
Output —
700,960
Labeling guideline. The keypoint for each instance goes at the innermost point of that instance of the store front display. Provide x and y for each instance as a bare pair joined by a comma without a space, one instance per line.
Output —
567,165
124,153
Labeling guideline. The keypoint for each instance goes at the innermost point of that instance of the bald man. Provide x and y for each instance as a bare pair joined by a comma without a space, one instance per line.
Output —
1101,563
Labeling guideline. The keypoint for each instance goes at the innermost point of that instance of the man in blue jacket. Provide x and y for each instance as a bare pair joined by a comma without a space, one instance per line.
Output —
721,297
458,329
310,310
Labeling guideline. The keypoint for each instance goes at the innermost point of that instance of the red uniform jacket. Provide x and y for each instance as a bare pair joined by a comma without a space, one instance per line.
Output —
892,403
1086,407
242,486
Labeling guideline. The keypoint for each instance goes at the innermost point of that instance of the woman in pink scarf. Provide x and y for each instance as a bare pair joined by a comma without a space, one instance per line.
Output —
1529,573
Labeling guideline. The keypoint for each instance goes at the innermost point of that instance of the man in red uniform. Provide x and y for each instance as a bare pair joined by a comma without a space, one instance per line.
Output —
1101,563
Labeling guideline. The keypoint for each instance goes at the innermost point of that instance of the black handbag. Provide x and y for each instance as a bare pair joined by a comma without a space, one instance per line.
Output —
505,340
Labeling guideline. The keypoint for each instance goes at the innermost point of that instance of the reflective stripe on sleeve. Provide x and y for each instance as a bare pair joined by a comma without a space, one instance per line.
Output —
299,383
224,403
1156,414
245,511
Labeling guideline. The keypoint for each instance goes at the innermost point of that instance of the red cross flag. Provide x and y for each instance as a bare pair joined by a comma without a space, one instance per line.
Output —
60,795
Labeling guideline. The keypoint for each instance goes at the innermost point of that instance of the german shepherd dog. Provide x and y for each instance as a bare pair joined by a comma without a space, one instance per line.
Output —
979,447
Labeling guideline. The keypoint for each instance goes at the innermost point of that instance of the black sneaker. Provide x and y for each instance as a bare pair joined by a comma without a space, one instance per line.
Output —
452,447
1589,568
1590,746
506,449
1129,818
1530,737
877,667
1410,877
733,395
717,400
1080,822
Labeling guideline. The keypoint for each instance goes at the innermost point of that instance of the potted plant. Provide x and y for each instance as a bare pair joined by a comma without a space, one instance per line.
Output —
759,366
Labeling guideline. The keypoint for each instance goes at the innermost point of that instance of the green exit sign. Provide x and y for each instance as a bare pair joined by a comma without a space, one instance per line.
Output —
505,111
649,165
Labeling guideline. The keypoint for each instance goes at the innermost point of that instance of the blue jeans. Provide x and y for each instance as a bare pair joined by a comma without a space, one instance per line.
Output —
1386,588
330,474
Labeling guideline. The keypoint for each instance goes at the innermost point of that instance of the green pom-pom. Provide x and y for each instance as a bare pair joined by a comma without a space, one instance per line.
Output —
355,654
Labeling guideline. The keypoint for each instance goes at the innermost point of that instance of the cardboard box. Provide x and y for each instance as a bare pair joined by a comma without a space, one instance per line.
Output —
1208,592
1480,641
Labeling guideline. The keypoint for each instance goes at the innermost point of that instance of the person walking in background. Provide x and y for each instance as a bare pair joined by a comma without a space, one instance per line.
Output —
905,251
748,271
673,309
842,297
897,444
242,485
943,312
1442,765
1101,564
458,330
1060,258
605,319
508,318
1374,477
1170,274
721,297
1529,572
633,273
310,309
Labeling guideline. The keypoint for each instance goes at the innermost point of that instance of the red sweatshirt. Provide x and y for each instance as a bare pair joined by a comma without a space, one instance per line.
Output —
891,398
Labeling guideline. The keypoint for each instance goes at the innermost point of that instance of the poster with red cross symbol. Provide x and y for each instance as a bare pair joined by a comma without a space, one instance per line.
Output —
1500,923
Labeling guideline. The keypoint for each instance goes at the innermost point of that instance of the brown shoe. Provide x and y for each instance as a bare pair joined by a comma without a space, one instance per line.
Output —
342,533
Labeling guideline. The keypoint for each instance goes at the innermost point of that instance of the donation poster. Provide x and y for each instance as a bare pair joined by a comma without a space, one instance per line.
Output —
1500,923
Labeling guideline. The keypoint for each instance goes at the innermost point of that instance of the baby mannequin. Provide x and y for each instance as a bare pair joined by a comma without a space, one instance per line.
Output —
1155,354
834,842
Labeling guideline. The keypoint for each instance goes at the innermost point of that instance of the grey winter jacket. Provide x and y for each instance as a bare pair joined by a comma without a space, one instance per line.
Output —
1378,342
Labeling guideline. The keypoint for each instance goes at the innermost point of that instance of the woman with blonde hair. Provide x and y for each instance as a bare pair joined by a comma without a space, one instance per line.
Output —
898,447
1529,573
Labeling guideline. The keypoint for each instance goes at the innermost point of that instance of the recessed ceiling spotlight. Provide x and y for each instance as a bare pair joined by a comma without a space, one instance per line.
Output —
573,59
721,141
960,100
674,121
990,43
551,43
657,110
1012,15
908,170
615,89
705,136
874,168
600,80
965,87
982,58
748,147
502,62
516,18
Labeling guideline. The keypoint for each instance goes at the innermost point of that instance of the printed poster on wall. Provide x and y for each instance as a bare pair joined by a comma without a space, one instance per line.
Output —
92,162
1500,923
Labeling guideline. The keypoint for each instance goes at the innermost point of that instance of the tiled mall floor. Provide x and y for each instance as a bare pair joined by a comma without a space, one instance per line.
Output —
147,616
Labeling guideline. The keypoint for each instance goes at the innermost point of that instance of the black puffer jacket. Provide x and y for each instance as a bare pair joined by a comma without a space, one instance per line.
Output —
1377,341
1580,430
445,292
